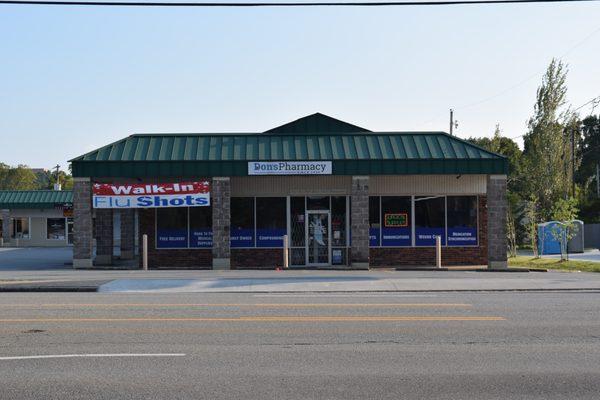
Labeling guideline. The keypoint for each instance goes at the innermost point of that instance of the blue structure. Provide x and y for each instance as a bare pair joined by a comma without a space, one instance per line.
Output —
548,237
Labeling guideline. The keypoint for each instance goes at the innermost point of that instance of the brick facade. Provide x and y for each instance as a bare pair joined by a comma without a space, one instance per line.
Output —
169,258
496,227
127,234
256,258
360,221
82,223
425,256
6,226
221,204
104,236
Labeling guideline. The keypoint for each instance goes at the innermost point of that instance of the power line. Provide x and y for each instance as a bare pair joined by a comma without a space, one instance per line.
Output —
282,4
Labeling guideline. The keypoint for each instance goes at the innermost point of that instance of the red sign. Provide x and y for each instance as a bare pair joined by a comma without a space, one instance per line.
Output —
151,195
139,189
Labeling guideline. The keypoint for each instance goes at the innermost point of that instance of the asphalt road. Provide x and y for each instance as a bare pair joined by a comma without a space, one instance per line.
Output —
300,346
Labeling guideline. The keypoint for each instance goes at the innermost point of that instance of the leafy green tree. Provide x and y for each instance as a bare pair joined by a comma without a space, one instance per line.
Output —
510,149
590,154
547,147
19,178
565,211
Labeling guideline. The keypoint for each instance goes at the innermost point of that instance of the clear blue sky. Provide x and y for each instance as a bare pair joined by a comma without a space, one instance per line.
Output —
73,79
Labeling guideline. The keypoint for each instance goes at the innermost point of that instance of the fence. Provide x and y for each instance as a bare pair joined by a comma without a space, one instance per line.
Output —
592,236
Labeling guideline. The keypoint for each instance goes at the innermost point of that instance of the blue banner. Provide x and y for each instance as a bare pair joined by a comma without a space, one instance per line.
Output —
201,238
171,238
373,237
270,237
462,236
396,237
426,236
240,237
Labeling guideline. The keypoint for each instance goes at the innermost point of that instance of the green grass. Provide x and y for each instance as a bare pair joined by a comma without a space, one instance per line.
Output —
551,263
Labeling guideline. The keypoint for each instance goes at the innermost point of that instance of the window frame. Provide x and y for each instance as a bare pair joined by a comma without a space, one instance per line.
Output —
189,247
413,220
13,233
57,240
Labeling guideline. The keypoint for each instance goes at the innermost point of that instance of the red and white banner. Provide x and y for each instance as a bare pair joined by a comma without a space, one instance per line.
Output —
151,195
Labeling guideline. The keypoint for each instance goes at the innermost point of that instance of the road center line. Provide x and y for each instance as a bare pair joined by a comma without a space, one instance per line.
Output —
91,356
324,318
258,305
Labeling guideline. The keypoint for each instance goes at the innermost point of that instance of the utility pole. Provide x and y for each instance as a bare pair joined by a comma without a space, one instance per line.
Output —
573,160
598,180
57,167
451,121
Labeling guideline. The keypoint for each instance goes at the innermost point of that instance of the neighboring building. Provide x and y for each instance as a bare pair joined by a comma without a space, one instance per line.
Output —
36,218
345,197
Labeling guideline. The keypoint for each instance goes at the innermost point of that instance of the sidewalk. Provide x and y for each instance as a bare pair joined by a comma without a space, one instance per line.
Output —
295,281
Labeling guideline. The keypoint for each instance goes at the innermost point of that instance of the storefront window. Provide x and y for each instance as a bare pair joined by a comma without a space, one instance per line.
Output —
201,227
374,222
270,221
430,220
396,221
55,228
20,228
338,221
242,222
297,222
462,220
171,228
317,203
70,230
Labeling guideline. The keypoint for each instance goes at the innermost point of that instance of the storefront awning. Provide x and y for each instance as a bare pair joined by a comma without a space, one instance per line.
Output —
35,199
359,152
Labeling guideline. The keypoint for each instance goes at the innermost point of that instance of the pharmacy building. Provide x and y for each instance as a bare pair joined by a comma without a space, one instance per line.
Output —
316,192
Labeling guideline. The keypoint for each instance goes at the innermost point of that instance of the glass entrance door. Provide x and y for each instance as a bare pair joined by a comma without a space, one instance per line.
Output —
318,228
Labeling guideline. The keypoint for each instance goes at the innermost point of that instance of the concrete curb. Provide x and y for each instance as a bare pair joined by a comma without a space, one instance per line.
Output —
64,289
53,289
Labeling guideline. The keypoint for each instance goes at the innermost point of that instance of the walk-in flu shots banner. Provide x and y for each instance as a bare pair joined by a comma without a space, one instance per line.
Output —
151,195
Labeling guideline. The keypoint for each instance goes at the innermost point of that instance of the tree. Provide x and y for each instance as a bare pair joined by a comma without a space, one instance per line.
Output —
565,211
507,147
590,153
530,218
19,178
547,147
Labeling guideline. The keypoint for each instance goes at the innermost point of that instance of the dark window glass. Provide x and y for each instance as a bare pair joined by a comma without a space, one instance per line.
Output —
20,228
171,227
374,222
396,221
242,222
462,220
317,203
338,221
297,221
201,227
430,220
55,228
271,222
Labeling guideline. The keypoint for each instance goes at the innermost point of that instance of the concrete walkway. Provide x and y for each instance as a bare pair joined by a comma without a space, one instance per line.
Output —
401,281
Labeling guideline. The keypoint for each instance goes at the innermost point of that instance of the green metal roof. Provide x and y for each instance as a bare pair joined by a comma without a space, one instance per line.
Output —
317,123
353,153
10,199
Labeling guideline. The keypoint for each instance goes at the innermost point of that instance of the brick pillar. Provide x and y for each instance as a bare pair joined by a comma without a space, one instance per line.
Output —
6,227
360,222
104,236
82,223
497,207
127,234
221,193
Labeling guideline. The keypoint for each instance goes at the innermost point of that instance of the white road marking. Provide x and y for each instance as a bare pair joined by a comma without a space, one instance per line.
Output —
345,295
92,356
